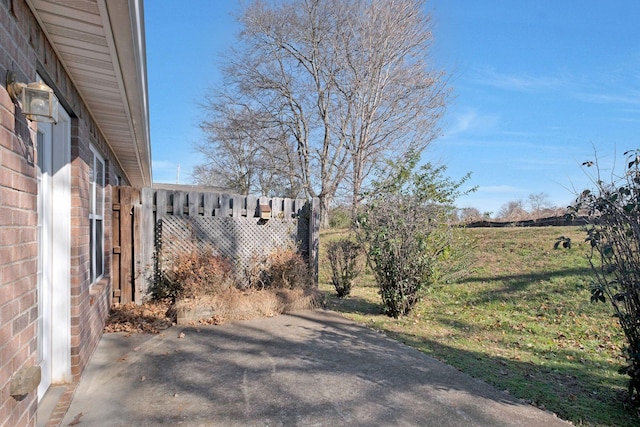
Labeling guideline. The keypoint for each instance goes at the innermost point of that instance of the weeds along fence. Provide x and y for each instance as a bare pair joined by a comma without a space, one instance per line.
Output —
152,225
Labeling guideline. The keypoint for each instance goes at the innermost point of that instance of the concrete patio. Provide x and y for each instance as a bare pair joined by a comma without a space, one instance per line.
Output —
311,368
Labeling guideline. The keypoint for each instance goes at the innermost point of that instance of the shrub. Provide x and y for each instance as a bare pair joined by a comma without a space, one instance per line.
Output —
194,273
613,211
283,268
340,217
343,256
563,241
404,224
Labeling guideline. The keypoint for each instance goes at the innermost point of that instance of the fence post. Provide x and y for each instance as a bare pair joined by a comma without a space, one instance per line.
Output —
126,249
314,237
276,208
288,208
236,210
161,204
194,203
116,243
225,211
143,244
210,201
178,203
252,205
135,244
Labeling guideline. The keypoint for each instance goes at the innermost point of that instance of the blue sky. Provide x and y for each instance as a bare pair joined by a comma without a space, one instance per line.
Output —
538,86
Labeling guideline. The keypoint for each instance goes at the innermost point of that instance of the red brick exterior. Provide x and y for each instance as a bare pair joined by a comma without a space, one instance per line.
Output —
25,50
18,262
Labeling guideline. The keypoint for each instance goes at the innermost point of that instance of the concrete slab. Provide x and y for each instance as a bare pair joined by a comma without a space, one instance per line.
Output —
48,404
311,368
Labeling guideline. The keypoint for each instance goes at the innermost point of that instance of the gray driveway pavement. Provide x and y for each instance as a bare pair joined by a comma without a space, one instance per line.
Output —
310,368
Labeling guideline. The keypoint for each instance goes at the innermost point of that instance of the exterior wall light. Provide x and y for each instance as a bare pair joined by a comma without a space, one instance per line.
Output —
37,100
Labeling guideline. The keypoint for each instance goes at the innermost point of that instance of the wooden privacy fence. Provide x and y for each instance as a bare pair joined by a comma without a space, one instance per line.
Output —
149,224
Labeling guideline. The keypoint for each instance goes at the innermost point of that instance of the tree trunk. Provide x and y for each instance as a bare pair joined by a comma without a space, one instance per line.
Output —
325,202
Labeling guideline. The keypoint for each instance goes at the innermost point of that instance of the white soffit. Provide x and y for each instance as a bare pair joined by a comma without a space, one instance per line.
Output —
101,45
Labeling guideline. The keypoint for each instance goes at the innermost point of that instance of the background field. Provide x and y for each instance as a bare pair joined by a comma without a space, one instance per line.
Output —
521,320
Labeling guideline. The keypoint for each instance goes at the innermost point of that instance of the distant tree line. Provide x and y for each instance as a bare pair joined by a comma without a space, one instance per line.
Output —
537,206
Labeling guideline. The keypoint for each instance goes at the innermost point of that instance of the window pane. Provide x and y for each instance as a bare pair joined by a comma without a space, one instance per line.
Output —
99,188
92,180
98,250
96,216
92,272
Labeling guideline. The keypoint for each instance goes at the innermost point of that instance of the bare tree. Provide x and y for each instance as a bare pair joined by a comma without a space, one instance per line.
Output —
344,83
239,154
512,211
469,214
539,203
391,99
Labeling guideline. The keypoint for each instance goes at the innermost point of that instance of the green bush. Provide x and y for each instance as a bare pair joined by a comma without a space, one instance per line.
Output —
340,217
613,210
404,223
343,256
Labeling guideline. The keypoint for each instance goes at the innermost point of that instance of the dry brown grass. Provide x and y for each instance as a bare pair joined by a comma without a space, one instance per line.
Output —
201,288
234,304
231,305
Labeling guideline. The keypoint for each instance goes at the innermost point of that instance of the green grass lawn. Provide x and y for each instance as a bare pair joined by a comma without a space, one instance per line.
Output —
520,320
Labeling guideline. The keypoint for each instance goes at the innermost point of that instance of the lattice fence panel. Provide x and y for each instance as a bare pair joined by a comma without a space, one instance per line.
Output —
239,239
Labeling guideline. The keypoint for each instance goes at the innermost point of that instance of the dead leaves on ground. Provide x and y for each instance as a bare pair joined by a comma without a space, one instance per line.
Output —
151,317
156,316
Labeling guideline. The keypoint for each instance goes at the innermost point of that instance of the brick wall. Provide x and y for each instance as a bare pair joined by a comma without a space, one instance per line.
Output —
18,262
24,49
90,302
18,233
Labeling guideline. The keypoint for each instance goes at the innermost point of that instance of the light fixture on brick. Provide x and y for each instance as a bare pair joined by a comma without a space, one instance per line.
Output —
37,100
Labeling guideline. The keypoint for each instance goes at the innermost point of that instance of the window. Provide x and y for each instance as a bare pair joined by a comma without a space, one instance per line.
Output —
96,215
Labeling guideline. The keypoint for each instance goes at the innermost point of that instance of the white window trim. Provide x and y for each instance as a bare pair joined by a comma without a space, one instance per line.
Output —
93,215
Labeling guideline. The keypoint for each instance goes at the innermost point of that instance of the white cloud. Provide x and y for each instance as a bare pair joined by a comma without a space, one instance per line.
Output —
609,98
471,121
520,82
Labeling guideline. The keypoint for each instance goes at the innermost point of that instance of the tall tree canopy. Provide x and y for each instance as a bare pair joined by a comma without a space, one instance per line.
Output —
325,91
